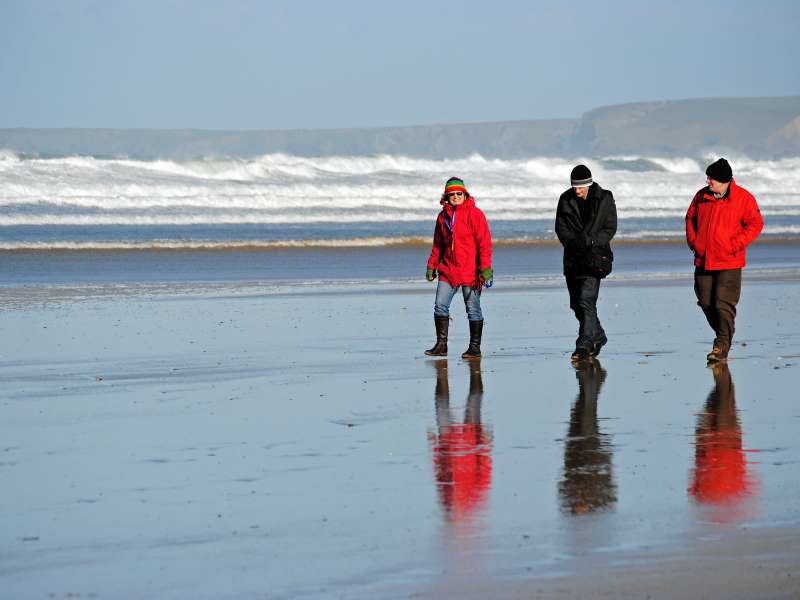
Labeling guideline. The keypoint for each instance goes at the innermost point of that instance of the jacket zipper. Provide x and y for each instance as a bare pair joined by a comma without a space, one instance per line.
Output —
708,232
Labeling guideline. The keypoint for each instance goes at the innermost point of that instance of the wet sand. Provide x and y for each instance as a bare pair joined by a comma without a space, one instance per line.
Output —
243,440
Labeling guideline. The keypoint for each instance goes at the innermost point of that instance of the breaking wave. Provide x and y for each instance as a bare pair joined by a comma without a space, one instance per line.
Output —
343,191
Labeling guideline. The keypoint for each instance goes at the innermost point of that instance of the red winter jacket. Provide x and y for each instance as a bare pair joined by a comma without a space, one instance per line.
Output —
462,461
719,230
462,253
721,479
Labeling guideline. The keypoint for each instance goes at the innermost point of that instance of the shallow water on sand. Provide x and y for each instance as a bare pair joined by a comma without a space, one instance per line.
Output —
301,446
363,265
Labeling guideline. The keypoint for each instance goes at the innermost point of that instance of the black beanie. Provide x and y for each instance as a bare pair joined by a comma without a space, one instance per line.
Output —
581,176
720,171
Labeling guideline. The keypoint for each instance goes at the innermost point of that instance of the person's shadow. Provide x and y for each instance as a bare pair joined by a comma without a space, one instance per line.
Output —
461,448
588,482
720,480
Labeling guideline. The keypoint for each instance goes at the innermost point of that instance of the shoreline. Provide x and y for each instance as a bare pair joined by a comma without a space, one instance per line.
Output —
376,265
366,244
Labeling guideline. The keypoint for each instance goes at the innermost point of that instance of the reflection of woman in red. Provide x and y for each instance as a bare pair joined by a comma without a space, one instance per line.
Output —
462,457
720,479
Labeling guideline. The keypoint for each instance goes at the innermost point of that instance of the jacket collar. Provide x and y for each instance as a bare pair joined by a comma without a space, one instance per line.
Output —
594,192
731,190
448,208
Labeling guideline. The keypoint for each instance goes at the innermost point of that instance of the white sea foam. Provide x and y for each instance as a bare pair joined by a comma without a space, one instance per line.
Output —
370,242
281,188
651,234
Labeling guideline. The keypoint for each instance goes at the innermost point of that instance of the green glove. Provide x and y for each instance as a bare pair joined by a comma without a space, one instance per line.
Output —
487,274
430,274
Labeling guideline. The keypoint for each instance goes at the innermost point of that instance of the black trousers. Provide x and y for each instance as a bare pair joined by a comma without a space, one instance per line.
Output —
718,294
583,294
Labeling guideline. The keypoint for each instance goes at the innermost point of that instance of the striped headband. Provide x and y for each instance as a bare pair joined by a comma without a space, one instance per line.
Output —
581,182
581,176
454,184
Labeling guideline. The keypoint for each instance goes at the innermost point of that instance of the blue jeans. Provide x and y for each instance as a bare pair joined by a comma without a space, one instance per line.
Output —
444,296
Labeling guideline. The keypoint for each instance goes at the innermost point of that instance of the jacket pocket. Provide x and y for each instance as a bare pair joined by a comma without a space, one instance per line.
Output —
719,247
699,248
598,261
729,249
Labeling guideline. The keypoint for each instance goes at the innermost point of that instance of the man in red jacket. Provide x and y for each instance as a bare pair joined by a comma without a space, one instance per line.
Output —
462,257
721,222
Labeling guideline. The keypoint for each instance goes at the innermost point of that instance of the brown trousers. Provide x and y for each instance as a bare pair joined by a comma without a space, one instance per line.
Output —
717,295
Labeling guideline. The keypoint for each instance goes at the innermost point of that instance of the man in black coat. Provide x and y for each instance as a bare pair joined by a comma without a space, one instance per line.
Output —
586,220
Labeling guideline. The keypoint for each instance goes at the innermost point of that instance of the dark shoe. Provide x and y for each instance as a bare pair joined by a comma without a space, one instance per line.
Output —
440,348
718,354
581,353
597,346
475,333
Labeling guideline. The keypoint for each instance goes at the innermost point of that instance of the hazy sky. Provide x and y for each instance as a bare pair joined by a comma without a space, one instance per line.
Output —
246,64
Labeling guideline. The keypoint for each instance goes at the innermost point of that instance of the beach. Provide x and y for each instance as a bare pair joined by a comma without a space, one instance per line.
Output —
181,424
228,370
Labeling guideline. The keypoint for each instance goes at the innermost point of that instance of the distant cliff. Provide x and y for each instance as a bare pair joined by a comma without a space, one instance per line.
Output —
753,126
758,127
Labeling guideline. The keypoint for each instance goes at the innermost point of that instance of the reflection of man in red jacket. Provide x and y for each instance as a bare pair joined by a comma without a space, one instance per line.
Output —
721,222
462,257
462,458
720,479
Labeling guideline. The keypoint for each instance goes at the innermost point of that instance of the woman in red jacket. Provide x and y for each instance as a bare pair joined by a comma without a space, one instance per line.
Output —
462,257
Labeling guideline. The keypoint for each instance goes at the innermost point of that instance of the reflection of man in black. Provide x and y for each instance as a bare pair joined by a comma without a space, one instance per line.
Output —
588,484
720,479
461,448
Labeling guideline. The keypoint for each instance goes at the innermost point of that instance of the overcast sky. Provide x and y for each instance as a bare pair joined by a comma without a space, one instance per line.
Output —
246,64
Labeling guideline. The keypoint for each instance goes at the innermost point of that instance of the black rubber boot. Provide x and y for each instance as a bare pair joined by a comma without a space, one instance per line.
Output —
475,333
598,345
440,348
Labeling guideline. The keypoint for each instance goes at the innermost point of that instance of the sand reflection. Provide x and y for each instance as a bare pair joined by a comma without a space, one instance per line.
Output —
588,482
720,480
461,448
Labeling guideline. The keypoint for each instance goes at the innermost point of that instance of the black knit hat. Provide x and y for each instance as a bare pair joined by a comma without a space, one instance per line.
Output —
720,171
581,176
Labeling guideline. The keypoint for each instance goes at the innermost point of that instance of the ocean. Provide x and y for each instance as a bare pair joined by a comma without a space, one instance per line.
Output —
278,217
279,200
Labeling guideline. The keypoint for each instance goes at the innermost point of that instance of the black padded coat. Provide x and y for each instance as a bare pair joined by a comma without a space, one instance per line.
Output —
579,237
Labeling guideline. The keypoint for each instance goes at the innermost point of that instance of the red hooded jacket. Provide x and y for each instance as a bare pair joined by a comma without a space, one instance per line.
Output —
719,230
462,244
